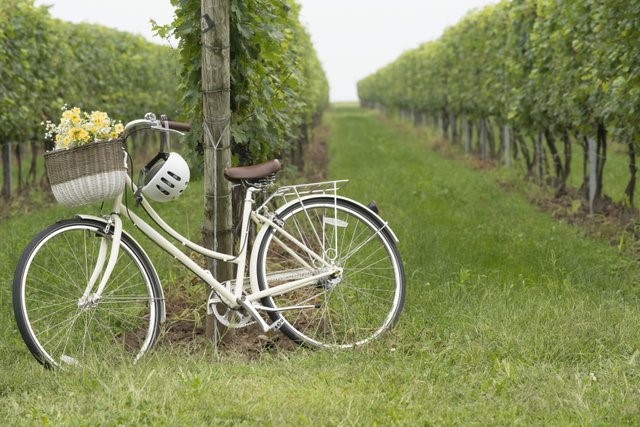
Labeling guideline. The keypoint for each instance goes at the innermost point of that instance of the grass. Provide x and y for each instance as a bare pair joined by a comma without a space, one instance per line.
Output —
511,318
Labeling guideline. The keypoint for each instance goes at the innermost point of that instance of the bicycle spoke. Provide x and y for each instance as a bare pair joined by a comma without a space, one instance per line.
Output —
355,306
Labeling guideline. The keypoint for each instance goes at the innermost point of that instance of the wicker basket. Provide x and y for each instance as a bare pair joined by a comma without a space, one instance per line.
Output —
87,174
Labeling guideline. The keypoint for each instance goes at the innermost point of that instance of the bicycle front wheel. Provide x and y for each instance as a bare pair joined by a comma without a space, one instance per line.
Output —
350,310
57,324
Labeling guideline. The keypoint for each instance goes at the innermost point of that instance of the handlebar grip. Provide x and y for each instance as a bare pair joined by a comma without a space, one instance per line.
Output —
182,127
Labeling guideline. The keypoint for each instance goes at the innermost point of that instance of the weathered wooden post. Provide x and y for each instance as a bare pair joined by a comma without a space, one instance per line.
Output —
593,170
466,126
506,136
216,95
6,163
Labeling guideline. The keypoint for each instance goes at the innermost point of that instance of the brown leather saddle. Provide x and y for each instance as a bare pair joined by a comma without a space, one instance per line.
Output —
253,173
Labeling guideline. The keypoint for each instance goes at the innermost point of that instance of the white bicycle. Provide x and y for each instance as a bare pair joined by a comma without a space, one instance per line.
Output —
325,270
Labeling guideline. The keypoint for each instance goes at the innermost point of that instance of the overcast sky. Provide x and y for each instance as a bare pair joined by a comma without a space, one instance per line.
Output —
353,38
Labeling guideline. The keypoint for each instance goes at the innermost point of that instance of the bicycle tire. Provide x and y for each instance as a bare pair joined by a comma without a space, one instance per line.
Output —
49,281
365,301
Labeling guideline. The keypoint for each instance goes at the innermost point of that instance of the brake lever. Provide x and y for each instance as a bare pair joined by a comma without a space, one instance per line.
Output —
162,129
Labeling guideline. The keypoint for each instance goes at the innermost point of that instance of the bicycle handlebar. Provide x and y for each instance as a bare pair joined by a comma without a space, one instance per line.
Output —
182,127
150,122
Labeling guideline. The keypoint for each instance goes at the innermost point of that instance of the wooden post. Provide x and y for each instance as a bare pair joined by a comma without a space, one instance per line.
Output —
593,168
216,96
483,139
6,163
539,157
467,136
453,123
507,145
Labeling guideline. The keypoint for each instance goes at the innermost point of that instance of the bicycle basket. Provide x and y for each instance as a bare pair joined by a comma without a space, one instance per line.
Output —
88,173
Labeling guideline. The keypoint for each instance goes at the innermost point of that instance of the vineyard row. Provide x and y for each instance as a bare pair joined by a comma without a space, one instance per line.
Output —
532,78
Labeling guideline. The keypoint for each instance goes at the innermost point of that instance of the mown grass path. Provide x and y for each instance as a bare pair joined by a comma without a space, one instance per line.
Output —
511,317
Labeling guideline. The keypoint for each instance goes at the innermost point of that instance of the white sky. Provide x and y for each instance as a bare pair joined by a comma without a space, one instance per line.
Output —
353,38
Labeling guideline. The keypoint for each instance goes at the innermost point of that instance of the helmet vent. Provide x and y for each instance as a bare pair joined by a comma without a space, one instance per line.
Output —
163,191
174,176
167,182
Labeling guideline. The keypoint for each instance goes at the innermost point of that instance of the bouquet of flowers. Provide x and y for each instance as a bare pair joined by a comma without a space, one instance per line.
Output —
77,128
88,163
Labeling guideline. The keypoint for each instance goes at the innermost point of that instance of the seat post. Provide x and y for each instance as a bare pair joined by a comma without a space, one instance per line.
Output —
244,237
246,210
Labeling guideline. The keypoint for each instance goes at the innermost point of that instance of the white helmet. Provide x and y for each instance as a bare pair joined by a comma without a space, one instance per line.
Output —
167,179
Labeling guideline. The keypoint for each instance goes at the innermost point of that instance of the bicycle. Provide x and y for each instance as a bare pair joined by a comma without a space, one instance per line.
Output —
324,270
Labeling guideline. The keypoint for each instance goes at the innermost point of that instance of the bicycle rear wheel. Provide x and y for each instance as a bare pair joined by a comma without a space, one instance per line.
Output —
342,312
50,279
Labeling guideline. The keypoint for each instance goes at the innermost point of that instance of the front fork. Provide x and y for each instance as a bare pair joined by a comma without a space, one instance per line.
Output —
88,298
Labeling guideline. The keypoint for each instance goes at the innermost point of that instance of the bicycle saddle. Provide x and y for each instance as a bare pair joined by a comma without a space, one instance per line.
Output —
259,171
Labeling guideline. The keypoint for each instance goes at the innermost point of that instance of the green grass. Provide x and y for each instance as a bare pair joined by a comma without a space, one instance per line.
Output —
510,318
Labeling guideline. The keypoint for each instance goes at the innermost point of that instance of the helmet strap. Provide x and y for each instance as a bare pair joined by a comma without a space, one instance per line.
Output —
143,174
138,194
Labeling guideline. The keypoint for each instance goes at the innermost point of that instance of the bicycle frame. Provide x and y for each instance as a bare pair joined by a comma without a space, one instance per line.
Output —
232,293
324,269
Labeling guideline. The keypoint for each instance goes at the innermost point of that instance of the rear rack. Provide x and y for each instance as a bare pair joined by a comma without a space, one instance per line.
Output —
291,192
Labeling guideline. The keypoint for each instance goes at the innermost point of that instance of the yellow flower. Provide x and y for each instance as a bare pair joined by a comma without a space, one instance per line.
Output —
73,115
99,119
62,141
79,135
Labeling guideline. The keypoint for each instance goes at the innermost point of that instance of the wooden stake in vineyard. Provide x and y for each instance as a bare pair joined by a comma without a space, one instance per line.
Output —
216,82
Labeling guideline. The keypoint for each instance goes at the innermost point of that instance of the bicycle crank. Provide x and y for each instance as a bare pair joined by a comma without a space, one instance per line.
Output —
225,315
